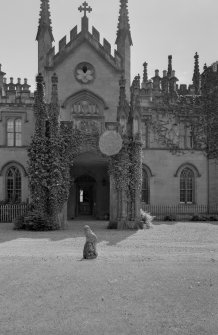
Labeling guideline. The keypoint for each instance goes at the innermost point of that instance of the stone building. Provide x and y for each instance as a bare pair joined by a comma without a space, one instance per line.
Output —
90,88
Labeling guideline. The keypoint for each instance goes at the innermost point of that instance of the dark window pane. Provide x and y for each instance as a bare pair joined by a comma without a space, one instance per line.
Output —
10,126
18,140
145,187
10,139
13,185
186,186
18,126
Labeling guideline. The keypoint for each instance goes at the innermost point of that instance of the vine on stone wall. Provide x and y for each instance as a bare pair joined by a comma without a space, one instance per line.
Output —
52,151
126,169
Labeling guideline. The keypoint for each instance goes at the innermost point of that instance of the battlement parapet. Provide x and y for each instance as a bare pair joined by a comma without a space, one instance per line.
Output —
15,93
62,43
73,33
107,46
76,39
95,34
17,100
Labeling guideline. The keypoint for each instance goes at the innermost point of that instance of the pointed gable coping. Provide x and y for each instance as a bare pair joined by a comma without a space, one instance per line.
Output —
73,33
93,39
96,34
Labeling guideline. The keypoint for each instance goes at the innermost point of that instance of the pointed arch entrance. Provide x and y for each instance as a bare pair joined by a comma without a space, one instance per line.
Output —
90,187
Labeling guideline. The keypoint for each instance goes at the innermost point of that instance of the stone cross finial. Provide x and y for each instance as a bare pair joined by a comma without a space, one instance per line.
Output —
85,8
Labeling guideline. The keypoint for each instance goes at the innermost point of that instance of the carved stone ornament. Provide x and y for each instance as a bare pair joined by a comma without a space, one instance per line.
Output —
85,73
110,143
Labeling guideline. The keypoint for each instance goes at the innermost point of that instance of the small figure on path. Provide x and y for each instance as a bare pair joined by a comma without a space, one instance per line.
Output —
90,251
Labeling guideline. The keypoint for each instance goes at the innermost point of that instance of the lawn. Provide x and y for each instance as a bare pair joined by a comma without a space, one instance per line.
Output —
160,281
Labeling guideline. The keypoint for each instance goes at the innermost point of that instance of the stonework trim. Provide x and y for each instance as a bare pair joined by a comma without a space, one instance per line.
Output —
94,44
14,114
190,166
148,170
85,95
13,163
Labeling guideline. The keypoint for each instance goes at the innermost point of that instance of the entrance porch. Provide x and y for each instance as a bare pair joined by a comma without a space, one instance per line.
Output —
90,188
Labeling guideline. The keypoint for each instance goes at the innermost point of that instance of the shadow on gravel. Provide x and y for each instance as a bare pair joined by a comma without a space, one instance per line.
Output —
171,223
168,223
73,229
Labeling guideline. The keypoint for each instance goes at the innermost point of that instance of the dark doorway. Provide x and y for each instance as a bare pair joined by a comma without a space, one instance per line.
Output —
85,196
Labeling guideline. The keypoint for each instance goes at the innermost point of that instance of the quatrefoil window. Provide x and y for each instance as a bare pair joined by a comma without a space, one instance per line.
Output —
85,73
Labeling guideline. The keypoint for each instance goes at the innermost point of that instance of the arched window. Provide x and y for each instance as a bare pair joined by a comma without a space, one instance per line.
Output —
187,182
14,132
145,187
13,185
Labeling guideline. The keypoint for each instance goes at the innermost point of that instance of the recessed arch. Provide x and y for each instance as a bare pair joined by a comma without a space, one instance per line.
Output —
85,178
146,175
13,163
190,166
85,95
147,169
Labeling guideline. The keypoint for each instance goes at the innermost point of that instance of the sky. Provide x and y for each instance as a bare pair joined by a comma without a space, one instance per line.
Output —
159,28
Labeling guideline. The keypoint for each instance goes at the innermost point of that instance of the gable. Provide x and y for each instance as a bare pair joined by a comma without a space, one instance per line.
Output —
104,81
104,51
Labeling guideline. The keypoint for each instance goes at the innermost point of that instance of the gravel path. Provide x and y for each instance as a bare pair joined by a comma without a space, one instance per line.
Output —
161,281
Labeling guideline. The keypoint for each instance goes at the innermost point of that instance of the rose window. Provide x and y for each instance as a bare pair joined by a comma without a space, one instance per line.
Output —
85,73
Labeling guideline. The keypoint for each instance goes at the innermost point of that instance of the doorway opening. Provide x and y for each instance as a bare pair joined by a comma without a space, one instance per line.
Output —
89,195
85,196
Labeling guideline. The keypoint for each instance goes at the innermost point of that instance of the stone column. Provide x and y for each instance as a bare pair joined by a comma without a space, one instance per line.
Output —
123,210
62,217
113,201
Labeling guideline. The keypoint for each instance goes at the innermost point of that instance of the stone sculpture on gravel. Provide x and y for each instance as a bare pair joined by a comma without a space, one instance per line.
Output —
90,249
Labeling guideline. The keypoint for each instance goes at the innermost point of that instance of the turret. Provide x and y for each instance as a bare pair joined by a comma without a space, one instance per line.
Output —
53,109
173,86
196,74
169,72
2,74
156,81
123,107
124,42
145,75
165,82
44,35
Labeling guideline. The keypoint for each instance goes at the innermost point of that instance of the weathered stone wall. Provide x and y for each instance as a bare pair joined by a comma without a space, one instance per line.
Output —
15,155
164,185
105,85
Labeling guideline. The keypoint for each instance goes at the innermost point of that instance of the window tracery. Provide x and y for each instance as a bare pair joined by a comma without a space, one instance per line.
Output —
13,185
14,132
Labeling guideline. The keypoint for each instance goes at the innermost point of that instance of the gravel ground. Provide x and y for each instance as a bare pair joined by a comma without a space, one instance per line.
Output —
161,281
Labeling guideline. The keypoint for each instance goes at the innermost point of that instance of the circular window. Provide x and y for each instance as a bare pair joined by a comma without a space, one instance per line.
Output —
85,73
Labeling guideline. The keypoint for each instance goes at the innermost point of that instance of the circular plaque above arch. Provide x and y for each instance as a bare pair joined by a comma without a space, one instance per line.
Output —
110,143
84,73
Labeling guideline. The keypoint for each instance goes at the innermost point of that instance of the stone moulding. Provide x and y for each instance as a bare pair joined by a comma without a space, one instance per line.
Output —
10,163
188,165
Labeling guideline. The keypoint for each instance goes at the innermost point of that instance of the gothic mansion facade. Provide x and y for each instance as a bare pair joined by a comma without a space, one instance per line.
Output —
89,79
